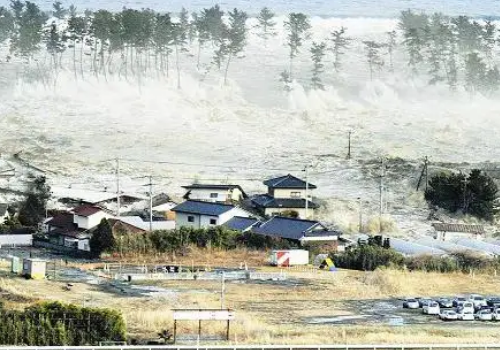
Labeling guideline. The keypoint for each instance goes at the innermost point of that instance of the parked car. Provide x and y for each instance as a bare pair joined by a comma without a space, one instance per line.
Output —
411,304
458,301
431,308
484,315
448,315
423,302
465,315
493,302
496,314
467,306
445,303
478,301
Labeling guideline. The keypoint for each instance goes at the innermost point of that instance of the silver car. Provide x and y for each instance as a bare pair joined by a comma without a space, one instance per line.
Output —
484,315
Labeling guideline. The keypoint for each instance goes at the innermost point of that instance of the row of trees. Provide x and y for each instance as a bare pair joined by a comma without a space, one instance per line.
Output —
474,194
370,257
138,43
178,240
56,324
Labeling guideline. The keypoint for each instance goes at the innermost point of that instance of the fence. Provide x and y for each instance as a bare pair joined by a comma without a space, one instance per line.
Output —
269,347
16,240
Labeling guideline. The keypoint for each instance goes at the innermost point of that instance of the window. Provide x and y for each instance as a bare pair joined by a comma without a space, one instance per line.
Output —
296,194
213,221
190,218
214,195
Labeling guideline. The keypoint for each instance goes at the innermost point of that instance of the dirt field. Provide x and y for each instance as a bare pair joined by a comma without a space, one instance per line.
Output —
308,307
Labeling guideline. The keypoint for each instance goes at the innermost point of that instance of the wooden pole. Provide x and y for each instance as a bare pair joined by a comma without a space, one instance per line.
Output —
175,330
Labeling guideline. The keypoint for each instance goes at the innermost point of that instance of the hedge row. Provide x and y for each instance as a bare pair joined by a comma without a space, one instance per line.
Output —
56,324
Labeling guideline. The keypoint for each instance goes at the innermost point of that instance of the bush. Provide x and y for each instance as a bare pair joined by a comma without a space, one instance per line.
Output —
368,258
56,324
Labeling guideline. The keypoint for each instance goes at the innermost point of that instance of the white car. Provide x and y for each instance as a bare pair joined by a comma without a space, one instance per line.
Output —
465,315
478,301
467,306
484,315
411,304
431,308
496,314
448,315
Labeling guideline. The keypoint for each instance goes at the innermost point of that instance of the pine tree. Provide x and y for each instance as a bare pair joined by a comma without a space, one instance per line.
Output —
235,37
340,43
317,56
179,42
6,24
298,27
391,45
489,39
286,80
415,35
373,56
33,207
475,72
162,39
58,11
266,24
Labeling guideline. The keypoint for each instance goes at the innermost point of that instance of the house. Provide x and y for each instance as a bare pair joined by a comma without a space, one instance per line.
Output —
242,224
88,216
286,194
298,230
446,231
215,193
201,214
137,224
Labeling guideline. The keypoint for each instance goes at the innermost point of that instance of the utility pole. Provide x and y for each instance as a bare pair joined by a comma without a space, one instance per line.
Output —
222,290
307,191
349,146
360,215
150,203
381,189
117,187
465,195
426,162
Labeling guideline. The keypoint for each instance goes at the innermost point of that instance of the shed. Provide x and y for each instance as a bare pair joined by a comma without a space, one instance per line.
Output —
446,231
34,268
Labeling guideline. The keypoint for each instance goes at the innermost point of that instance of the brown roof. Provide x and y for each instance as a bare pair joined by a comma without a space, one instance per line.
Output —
117,224
86,210
439,226
62,220
73,233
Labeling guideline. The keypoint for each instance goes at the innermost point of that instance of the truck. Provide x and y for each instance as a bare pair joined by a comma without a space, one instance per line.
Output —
289,257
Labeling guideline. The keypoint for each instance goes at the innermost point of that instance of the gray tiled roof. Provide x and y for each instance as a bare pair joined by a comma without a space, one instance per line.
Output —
438,226
288,181
289,228
239,223
202,208
214,187
267,201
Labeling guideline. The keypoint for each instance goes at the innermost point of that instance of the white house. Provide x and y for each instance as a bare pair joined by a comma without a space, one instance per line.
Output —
286,194
88,217
215,193
201,214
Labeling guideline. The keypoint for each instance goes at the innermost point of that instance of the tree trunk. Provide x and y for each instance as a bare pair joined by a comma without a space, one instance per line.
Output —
74,60
81,59
199,54
177,66
227,68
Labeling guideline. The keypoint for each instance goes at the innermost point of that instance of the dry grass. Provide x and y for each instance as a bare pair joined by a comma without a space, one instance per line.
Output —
273,313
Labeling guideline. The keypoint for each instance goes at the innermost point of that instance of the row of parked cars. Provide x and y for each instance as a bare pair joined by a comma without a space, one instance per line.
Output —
473,307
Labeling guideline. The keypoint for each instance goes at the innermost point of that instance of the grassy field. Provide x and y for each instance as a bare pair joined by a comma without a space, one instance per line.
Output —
274,313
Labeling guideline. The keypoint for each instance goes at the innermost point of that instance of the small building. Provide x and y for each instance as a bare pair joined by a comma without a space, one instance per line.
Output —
34,268
298,230
446,231
87,217
215,193
201,214
286,195
4,212
137,224
241,224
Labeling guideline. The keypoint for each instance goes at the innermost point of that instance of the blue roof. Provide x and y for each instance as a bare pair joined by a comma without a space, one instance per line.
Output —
289,228
239,223
288,181
267,201
203,208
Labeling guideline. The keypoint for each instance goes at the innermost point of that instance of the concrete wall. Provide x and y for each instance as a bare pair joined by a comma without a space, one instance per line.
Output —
16,240
301,212
181,220
202,221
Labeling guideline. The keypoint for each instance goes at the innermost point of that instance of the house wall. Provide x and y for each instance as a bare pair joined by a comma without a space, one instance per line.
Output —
287,193
91,221
447,236
83,244
222,195
300,211
203,221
